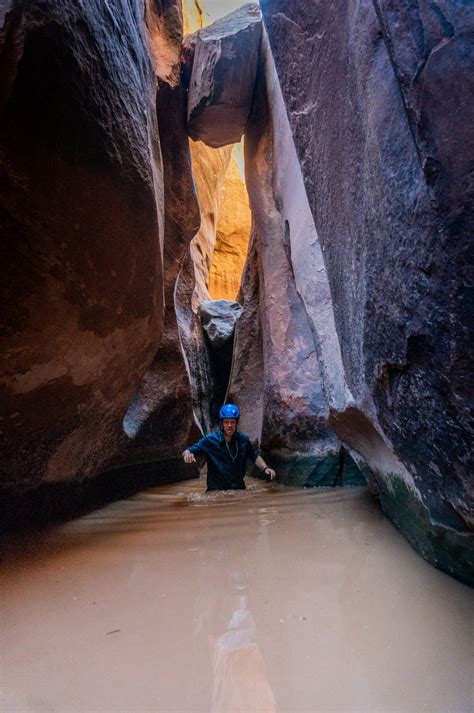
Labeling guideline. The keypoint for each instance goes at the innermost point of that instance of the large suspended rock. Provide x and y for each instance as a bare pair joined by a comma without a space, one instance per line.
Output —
379,118
218,318
224,60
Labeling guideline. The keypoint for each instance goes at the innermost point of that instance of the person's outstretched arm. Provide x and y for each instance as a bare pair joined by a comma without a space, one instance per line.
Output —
199,447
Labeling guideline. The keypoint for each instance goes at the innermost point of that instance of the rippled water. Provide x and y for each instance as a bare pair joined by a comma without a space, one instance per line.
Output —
268,599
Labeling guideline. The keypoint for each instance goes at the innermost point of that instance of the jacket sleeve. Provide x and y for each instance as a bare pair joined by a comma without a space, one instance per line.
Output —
200,446
252,452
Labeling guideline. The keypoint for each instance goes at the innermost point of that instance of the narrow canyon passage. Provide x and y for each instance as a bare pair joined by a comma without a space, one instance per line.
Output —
271,599
267,204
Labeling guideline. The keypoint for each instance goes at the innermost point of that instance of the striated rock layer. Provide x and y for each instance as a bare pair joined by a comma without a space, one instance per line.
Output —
382,119
82,216
159,422
209,168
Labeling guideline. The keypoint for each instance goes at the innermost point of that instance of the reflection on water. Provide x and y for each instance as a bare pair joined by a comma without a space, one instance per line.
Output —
269,599
240,676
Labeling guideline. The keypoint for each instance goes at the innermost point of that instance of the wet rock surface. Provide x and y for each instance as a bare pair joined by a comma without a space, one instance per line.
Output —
224,65
393,212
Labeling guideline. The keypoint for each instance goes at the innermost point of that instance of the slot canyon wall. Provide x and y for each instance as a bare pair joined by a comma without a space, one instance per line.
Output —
101,198
382,120
351,347
82,221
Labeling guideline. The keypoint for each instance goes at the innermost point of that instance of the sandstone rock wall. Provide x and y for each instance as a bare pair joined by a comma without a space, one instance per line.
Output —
81,215
232,232
294,408
209,167
377,137
159,422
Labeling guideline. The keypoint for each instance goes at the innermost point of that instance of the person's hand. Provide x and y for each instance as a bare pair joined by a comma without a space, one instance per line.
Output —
270,472
188,457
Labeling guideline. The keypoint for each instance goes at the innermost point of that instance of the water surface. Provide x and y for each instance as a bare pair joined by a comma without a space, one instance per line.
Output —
269,599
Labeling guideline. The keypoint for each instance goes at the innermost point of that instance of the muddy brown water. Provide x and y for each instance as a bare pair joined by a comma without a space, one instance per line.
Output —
269,599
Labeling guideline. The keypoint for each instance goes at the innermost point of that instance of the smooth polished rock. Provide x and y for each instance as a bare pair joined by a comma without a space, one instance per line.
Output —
159,422
276,373
82,215
378,116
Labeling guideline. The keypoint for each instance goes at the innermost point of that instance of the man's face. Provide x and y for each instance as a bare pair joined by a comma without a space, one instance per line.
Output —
229,426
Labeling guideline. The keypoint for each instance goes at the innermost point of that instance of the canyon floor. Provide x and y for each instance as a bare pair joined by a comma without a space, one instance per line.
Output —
269,599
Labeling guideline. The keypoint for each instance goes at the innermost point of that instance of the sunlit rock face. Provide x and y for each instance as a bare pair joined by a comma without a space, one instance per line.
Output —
382,123
81,214
232,232
209,168
224,65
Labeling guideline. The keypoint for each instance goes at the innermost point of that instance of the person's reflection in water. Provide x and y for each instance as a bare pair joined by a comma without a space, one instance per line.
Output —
240,675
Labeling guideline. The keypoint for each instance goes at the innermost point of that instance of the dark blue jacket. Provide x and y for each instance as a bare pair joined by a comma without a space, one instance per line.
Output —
222,472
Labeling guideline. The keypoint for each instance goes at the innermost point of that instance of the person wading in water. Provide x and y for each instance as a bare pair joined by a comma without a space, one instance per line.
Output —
226,452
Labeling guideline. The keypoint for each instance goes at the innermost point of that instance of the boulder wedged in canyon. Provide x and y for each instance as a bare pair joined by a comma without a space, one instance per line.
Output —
218,318
380,115
224,59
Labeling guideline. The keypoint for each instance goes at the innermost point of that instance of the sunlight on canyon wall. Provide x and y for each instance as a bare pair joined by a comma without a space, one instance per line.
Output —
233,231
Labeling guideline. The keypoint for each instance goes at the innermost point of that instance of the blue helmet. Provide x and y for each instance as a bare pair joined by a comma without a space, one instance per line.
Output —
229,411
